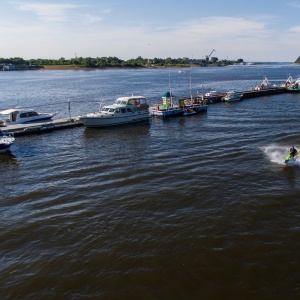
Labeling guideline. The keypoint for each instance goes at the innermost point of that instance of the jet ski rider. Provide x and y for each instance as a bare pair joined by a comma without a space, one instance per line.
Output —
293,151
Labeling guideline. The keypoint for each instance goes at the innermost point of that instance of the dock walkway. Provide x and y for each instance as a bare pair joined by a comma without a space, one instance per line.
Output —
41,127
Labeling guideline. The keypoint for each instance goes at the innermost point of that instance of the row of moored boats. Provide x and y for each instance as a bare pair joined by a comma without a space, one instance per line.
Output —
130,110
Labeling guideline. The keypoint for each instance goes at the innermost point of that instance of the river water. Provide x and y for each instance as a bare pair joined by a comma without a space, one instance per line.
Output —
198,207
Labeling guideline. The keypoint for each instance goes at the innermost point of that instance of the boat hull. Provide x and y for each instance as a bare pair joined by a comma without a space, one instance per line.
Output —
232,99
36,120
293,90
5,143
167,113
97,120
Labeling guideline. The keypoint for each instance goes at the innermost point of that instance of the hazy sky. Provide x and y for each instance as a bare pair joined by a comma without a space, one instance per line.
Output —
267,30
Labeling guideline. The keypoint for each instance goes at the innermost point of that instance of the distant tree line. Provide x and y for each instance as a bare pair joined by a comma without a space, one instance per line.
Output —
103,62
297,60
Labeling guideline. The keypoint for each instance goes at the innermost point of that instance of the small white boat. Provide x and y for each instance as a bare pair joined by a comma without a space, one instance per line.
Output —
21,115
288,83
232,96
265,85
212,94
124,110
5,142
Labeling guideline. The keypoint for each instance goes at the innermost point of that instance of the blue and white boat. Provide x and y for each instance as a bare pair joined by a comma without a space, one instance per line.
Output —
21,116
5,142
232,96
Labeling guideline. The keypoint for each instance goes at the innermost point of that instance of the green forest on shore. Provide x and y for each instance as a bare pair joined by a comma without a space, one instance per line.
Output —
113,62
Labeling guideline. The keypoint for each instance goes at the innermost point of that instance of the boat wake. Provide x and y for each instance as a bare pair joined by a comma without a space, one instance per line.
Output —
277,154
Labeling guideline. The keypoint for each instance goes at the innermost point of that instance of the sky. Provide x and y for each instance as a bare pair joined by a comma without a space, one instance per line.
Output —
255,31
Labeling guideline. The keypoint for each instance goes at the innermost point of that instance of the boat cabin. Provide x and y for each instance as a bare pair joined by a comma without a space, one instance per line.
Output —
137,102
13,115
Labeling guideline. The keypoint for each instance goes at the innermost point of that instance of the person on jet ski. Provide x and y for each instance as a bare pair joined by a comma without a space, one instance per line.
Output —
293,151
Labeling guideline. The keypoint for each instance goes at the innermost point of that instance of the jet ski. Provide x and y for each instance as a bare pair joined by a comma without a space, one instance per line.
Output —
291,160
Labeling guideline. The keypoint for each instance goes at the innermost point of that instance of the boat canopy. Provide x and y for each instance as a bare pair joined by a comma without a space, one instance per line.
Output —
12,110
8,111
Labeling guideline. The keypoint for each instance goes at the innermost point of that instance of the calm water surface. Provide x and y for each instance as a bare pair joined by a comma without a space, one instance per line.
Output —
198,207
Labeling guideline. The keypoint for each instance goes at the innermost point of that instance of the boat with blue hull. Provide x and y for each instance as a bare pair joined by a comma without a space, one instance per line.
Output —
168,108
5,142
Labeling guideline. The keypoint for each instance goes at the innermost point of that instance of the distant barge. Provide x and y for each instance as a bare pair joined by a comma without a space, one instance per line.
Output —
248,94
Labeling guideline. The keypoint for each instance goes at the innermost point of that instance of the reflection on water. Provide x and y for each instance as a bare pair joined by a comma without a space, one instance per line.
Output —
8,156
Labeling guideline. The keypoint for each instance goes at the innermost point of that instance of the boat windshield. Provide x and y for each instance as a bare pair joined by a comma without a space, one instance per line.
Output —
120,102
28,114
108,109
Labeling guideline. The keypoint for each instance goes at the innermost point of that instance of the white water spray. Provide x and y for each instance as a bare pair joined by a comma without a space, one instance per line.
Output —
278,153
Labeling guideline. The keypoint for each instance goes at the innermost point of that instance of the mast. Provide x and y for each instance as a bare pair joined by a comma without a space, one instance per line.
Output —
170,87
191,81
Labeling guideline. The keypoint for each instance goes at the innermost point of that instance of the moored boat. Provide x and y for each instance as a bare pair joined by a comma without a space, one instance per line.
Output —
212,96
192,106
232,96
294,87
288,83
124,110
21,116
5,142
265,85
167,109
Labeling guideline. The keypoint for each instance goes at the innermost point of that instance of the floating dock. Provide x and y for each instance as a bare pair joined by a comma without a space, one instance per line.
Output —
41,127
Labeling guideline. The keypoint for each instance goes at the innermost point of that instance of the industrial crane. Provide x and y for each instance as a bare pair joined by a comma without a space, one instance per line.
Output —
208,56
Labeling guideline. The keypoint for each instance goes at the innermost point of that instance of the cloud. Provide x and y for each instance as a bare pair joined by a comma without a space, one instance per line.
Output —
295,29
89,19
49,12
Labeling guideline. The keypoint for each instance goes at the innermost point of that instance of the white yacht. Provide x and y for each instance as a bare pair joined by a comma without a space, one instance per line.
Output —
124,110
21,115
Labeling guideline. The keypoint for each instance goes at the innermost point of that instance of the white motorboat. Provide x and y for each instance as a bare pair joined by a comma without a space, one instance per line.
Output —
167,109
5,142
232,96
124,110
212,96
265,85
21,115
288,83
